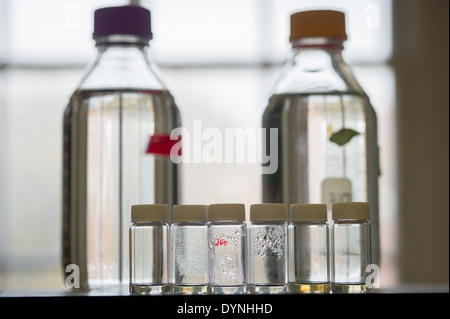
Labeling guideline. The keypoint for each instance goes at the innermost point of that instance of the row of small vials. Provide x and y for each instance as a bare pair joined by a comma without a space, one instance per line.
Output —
211,249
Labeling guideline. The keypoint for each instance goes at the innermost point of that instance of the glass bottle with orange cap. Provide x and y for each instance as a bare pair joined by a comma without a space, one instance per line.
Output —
327,128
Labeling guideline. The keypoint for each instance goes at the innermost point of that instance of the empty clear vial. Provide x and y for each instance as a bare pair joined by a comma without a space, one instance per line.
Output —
149,249
190,250
308,249
267,249
227,235
351,250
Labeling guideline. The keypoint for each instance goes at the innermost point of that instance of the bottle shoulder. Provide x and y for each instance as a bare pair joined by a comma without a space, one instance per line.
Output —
280,103
90,101
81,97
316,71
128,67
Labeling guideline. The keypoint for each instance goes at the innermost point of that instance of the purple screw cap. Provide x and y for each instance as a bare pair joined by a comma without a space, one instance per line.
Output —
132,20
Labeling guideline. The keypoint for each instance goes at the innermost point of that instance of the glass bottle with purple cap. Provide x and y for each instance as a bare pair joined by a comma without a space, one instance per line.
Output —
116,147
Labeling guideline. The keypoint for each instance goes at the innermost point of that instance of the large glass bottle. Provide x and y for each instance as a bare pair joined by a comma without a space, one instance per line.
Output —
116,147
327,128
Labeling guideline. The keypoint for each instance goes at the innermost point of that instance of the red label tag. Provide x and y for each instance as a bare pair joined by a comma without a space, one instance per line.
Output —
161,144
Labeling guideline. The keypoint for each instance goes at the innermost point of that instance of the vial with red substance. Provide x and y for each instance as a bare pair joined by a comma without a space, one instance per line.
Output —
227,241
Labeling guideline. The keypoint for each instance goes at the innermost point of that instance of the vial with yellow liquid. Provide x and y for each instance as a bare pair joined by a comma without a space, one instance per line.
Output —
351,247
308,249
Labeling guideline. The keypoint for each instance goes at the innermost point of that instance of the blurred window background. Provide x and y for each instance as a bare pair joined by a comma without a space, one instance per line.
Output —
219,59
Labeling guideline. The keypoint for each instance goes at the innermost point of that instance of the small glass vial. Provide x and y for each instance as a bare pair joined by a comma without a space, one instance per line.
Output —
308,249
190,250
149,249
267,249
227,235
351,247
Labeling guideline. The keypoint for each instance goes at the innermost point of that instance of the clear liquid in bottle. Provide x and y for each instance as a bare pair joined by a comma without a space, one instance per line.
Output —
327,128
327,149
107,169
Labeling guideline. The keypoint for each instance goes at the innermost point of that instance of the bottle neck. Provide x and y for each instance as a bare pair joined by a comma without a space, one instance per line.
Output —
318,43
122,52
318,53
121,40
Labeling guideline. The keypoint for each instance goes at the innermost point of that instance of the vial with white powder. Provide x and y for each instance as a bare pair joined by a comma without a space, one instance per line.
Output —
190,250
267,244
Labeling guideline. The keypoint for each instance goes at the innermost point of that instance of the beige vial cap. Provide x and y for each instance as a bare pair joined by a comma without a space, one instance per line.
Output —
308,212
318,23
268,212
190,213
226,212
149,212
350,210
